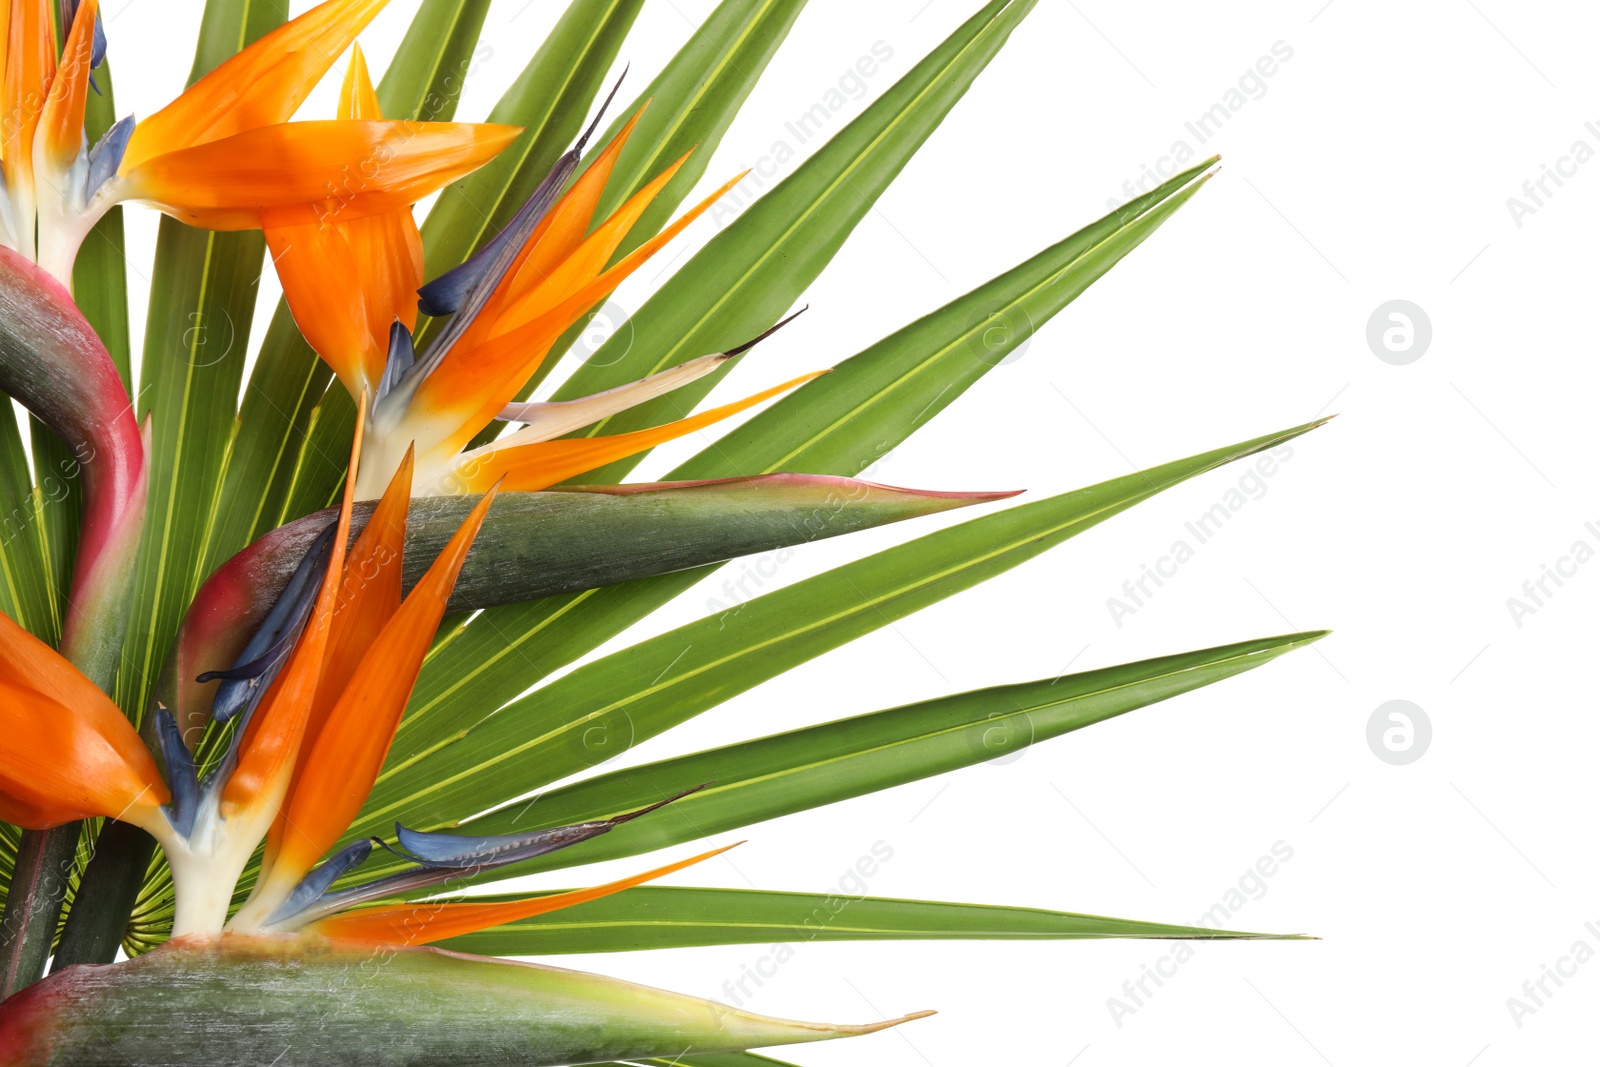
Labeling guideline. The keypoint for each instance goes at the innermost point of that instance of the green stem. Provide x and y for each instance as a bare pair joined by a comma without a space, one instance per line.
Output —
91,640
33,907
53,363
111,882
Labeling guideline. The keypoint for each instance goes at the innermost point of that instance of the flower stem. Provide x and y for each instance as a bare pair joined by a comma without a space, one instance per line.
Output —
33,906
53,363
45,858
106,896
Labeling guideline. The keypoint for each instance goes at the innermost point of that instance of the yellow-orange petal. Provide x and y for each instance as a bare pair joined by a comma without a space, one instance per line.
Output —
66,751
429,921
357,98
368,597
30,66
561,230
60,134
569,219
584,263
339,771
260,86
347,281
297,173
270,747
472,384
530,467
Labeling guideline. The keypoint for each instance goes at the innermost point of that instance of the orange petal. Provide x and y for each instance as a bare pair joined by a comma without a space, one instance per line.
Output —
346,282
339,771
561,230
584,263
570,217
539,465
296,173
357,98
471,385
427,921
369,595
317,268
30,66
260,86
66,751
271,743
387,248
28,662
61,124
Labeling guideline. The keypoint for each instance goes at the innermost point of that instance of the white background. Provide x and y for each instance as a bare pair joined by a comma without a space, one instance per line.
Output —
1374,164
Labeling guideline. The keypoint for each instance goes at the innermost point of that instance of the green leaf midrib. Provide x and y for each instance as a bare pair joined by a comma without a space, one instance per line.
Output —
438,57
175,481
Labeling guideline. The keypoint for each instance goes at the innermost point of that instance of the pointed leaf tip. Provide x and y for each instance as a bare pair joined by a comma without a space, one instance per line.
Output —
872,1028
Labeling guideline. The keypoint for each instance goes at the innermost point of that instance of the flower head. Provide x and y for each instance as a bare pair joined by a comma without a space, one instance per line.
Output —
224,154
350,287
306,748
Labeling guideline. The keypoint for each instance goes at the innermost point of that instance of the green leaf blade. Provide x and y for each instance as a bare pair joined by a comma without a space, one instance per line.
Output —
549,99
423,81
661,917
640,691
770,777
691,105
840,423
747,276
847,419
202,303
26,593
286,454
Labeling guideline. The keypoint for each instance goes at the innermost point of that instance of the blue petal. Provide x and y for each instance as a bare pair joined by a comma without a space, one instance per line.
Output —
439,849
481,273
106,156
449,855
314,885
97,51
402,357
451,291
464,850
247,680
181,775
